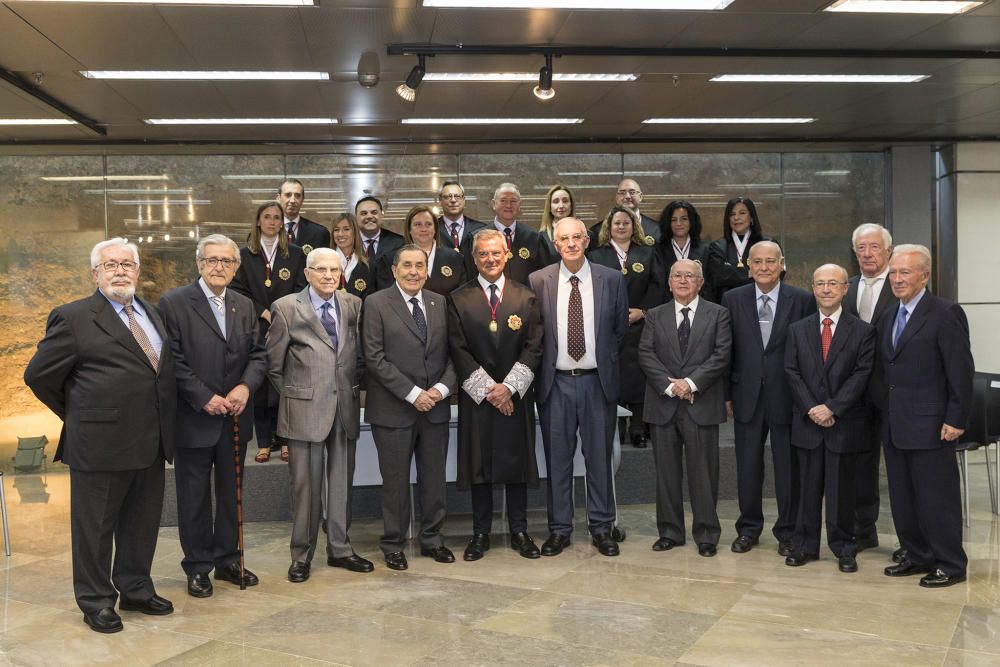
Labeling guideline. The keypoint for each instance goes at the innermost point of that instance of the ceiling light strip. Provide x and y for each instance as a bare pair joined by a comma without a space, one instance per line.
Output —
819,78
203,75
240,121
245,3
727,121
661,5
491,121
36,121
523,77
903,6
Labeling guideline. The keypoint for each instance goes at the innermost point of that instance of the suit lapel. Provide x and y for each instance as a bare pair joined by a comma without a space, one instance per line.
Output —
784,313
671,324
430,314
107,319
230,315
885,299
750,304
913,323
200,304
698,327
840,336
403,311
815,343
851,299
308,314
599,286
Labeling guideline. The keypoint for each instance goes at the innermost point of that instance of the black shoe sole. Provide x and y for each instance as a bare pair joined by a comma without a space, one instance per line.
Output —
125,606
105,631
200,594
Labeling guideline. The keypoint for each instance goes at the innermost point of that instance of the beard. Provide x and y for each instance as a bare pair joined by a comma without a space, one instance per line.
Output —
122,294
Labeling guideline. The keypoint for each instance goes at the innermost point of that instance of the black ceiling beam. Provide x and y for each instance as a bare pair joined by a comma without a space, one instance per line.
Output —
684,52
52,102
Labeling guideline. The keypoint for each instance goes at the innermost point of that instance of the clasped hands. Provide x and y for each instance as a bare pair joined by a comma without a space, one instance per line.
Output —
427,399
681,389
234,403
822,416
500,398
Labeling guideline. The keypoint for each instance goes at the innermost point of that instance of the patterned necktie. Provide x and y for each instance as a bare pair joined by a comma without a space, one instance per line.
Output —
766,318
369,244
684,330
330,325
291,232
867,308
419,319
454,234
142,338
576,343
900,325
509,233
826,337
493,296
219,303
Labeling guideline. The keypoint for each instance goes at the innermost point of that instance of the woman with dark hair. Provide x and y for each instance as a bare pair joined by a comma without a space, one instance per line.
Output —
727,258
558,205
680,234
621,245
270,268
355,274
445,266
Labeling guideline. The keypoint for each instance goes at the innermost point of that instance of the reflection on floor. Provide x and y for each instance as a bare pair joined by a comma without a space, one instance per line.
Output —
642,608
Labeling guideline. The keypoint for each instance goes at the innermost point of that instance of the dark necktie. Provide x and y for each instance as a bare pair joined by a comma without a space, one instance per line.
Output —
418,318
826,337
493,297
684,330
291,232
576,343
330,325
369,244
900,325
140,337
509,233
454,234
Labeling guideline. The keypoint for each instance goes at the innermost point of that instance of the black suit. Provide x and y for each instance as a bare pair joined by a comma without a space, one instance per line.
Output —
118,427
210,364
762,405
388,243
866,470
464,241
361,282
447,273
310,235
529,251
826,455
929,383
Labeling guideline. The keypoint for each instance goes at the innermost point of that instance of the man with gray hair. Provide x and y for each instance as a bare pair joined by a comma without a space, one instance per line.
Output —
221,362
527,250
106,371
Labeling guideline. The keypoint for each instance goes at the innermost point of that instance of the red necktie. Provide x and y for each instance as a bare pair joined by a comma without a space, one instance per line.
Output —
826,337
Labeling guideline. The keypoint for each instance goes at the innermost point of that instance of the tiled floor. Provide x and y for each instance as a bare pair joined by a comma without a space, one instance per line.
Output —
642,608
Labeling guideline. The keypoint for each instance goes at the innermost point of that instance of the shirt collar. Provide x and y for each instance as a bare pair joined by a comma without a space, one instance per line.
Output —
366,239
208,292
500,227
693,306
119,307
583,274
912,305
881,276
485,284
773,294
294,222
460,221
407,297
835,317
317,302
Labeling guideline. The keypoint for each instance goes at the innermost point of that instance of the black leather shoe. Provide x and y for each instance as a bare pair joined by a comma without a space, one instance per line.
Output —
799,559
847,564
298,572
354,563
906,569
231,573
441,554
867,542
665,544
106,620
899,555
522,543
707,550
555,544
785,548
154,606
199,585
605,544
477,547
743,544
938,579
639,441
396,561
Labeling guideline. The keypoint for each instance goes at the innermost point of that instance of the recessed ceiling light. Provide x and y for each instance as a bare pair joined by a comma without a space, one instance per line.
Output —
726,121
519,77
250,3
715,5
903,6
194,75
240,121
819,78
36,121
491,121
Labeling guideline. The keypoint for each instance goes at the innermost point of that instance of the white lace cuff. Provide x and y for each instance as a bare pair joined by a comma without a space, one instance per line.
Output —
520,378
478,385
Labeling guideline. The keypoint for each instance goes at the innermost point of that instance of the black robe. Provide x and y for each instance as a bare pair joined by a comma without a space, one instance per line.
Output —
361,283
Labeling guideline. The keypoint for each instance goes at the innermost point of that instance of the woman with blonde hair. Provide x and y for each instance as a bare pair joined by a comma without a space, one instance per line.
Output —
356,274
558,205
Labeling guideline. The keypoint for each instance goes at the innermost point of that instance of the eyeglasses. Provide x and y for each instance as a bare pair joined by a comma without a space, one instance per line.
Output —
453,196
823,284
215,261
324,269
111,266
490,254
684,276
508,202
759,261
575,238
629,193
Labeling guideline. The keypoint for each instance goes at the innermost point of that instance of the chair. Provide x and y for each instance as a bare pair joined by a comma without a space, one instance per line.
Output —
30,455
977,436
993,429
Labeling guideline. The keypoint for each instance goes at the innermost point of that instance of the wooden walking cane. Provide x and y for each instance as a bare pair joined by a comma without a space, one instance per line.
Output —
237,461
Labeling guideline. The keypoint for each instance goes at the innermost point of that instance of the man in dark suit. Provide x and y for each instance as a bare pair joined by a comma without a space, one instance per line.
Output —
760,399
106,371
405,338
220,363
585,315
455,229
302,232
375,241
684,352
869,297
926,356
527,250
495,333
828,360
629,195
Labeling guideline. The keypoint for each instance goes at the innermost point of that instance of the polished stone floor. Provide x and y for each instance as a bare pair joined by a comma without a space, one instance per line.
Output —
642,608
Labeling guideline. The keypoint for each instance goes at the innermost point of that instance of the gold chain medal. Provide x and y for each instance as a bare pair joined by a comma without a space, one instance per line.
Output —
493,309
493,326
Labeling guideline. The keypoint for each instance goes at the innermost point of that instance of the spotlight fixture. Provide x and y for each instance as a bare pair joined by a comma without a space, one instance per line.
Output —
543,90
408,90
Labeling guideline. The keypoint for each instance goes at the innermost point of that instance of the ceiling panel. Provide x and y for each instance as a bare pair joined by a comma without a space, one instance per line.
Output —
25,49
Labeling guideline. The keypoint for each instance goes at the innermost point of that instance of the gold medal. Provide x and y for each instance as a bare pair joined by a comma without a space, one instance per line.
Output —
510,255
624,271
739,265
306,249
446,271
524,253
284,274
267,282
638,267
493,326
514,322
649,240
360,285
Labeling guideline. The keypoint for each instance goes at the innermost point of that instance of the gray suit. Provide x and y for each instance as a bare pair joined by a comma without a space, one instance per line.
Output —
319,409
682,427
397,361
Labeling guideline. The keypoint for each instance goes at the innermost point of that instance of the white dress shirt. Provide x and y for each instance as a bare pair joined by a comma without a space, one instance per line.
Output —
834,319
347,265
564,362
876,288
220,318
678,318
415,392
772,295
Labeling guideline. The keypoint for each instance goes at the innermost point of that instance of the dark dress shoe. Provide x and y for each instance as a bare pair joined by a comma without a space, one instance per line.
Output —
354,563
785,548
298,572
906,569
618,534
639,441
199,585
799,559
441,554
231,573
938,579
899,555
743,544
477,547
555,544
867,542
707,550
665,544
105,620
605,544
396,561
847,564
153,606
522,543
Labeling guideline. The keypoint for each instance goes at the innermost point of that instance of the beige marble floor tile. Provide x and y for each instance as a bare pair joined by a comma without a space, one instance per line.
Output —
223,654
733,642
17,559
14,614
978,629
957,658
45,582
601,624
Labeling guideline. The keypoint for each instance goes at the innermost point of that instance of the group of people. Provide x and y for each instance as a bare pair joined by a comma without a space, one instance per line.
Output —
280,337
